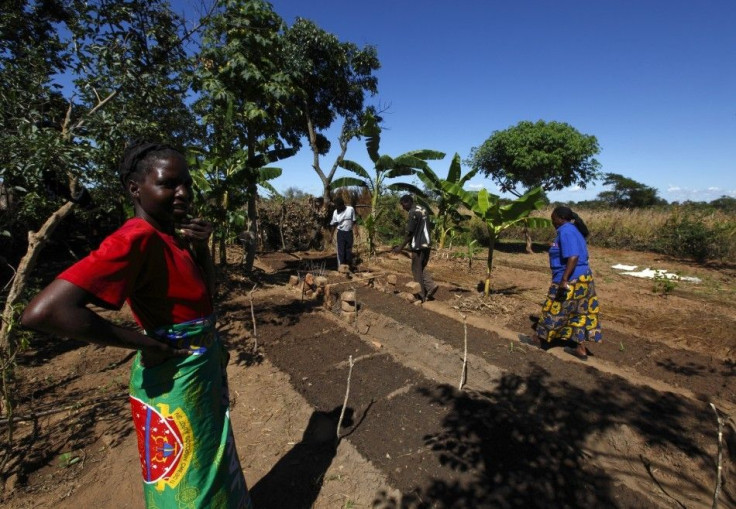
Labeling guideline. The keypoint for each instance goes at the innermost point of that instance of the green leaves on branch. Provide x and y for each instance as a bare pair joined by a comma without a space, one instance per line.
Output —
448,217
553,155
385,168
497,217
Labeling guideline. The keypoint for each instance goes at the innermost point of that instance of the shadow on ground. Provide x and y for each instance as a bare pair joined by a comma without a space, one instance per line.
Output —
296,479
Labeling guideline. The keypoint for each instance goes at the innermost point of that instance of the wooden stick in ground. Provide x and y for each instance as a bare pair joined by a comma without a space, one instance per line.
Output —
345,401
253,317
355,292
719,466
465,354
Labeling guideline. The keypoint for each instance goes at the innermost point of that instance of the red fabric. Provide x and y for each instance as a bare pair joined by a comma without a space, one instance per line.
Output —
157,276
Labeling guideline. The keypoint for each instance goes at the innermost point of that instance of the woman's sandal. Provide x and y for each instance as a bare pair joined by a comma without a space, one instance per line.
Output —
576,353
532,340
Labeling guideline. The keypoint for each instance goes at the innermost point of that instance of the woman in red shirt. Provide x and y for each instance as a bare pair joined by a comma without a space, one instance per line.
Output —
159,263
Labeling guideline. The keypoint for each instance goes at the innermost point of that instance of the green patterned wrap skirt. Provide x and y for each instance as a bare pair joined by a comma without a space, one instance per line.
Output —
182,420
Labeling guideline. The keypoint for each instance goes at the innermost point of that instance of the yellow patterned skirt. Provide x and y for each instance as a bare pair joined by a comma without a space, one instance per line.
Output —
574,317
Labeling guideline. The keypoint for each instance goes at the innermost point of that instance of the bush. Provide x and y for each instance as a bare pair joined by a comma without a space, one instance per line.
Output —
687,238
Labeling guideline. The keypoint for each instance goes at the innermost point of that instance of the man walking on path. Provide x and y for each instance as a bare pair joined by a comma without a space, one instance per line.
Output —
417,236
343,219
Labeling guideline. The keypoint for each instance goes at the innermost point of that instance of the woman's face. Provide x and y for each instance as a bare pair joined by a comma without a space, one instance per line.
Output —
557,221
164,194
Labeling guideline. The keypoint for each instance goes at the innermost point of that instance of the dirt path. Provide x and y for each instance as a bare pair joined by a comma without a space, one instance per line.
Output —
630,428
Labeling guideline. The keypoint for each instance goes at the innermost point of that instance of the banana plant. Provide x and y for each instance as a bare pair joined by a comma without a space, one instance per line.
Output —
448,218
385,168
497,217
220,185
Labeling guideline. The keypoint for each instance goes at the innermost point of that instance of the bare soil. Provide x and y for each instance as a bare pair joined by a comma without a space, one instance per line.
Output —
632,426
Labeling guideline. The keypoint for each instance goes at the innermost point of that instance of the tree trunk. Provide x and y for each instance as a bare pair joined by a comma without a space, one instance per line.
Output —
223,249
250,243
528,237
281,227
491,247
36,242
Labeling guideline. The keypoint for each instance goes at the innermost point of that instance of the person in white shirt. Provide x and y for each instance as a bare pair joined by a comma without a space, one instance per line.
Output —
343,219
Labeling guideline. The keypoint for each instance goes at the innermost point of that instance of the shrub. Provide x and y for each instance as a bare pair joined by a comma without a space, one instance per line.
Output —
688,238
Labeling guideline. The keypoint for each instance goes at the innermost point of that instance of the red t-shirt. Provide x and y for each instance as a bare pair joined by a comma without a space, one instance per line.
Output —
150,269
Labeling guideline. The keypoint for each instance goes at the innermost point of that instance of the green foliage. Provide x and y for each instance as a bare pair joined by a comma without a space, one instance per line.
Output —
392,221
663,284
628,193
334,78
478,230
553,155
246,91
695,231
127,64
448,218
688,237
67,459
725,204
246,98
385,168
499,217
471,249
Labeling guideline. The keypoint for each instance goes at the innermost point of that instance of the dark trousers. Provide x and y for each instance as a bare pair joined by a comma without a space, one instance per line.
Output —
344,247
419,260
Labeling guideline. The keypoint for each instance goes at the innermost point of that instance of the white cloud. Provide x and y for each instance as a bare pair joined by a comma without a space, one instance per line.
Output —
677,193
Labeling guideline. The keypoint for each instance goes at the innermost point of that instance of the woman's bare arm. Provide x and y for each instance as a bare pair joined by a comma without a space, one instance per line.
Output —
62,309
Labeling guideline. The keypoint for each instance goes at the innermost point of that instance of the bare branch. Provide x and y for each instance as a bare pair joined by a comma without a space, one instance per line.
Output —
94,110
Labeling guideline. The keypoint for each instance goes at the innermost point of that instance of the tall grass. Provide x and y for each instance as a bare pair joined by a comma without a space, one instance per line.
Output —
678,231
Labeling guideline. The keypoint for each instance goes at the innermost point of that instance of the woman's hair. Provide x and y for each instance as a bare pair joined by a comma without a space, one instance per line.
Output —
138,157
567,214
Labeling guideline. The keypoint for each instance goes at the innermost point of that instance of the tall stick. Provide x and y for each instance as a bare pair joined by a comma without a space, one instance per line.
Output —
253,317
719,467
355,292
465,354
345,401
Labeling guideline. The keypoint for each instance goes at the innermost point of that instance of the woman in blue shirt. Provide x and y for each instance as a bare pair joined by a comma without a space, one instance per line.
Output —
570,312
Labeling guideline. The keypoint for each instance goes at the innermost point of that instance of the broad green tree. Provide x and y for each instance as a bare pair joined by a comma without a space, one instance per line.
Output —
385,168
79,78
552,155
247,94
628,193
448,218
334,78
498,217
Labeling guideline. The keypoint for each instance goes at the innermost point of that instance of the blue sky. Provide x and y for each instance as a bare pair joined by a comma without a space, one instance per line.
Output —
654,81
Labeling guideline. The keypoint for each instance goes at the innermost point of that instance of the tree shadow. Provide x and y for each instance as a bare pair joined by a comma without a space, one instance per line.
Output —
296,479
509,290
523,445
690,369
520,247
